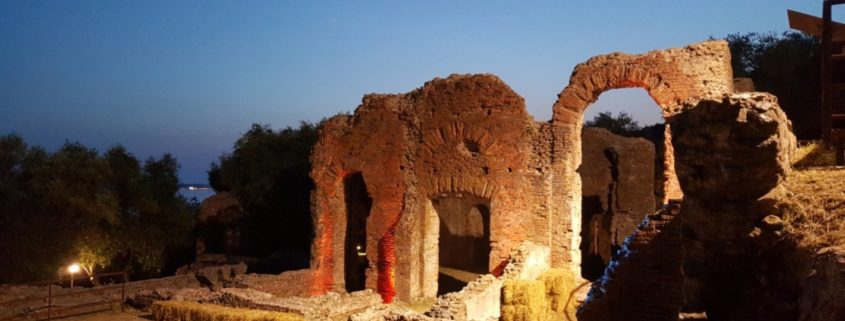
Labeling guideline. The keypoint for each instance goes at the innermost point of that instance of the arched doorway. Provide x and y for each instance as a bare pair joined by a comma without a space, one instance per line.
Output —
358,205
621,173
464,240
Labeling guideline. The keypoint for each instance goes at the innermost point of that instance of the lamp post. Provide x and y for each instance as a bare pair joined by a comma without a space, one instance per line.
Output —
72,269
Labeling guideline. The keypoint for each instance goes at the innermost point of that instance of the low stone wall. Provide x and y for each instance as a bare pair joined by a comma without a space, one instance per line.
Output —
329,307
480,300
528,262
291,283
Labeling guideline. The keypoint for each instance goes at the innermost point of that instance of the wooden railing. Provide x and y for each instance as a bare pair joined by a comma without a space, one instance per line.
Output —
52,311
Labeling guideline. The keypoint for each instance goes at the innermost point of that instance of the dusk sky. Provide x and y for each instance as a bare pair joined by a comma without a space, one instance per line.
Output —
188,77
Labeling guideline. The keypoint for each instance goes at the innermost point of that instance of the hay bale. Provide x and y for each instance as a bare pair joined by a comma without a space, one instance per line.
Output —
193,311
524,300
560,285
547,298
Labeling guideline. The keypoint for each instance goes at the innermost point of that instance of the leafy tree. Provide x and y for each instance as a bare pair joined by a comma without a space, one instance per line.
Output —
621,124
788,66
268,171
75,205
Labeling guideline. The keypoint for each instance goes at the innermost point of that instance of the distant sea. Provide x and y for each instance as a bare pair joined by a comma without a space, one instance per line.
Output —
198,191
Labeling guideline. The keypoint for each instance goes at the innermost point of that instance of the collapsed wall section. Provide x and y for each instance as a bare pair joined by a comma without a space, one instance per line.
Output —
467,141
670,77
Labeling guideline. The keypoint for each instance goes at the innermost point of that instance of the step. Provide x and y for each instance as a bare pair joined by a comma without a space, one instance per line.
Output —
837,57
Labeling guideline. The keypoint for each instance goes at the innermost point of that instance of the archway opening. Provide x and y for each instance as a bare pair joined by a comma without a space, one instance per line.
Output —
358,205
464,241
621,171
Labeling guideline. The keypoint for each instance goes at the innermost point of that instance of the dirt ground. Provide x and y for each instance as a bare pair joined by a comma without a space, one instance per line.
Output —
129,315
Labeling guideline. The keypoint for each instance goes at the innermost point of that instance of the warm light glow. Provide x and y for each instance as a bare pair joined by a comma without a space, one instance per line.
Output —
73,268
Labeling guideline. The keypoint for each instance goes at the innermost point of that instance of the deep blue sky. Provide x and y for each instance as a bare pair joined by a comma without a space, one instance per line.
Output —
188,77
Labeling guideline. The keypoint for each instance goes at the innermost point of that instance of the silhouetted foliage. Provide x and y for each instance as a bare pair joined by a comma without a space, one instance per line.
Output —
75,205
268,171
788,66
622,124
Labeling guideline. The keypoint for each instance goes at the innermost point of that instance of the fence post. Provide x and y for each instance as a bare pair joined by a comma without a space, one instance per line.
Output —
123,294
49,301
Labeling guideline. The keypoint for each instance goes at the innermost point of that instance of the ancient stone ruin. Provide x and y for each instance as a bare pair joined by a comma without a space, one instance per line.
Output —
418,194
441,203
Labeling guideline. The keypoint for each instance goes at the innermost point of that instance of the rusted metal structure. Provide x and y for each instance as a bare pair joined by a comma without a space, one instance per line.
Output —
833,82
832,35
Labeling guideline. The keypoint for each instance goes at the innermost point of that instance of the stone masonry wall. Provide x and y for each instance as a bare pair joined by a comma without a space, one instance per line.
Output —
614,169
733,154
463,135
470,136
670,77
645,282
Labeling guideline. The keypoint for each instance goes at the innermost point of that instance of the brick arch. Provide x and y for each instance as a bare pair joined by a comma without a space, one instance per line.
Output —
670,77
588,82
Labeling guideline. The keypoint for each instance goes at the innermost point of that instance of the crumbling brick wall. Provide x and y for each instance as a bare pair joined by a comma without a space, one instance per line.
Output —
670,77
616,173
470,135
463,135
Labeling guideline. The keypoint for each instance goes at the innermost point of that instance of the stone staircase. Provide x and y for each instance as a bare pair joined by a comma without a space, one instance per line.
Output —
645,281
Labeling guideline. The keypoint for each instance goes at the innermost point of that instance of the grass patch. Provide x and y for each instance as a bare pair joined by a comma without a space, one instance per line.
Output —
814,211
547,298
813,154
193,311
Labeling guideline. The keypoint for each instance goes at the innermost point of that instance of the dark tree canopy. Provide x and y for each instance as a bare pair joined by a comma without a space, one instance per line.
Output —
621,124
106,212
788,66
268,171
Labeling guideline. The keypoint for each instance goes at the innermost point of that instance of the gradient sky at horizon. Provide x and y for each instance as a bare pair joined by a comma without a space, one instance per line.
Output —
188,77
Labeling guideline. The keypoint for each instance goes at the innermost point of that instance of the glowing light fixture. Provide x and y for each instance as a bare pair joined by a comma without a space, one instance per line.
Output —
72,269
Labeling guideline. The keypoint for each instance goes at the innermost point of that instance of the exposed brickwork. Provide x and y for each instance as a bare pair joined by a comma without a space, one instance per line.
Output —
669,76
480,300
471,135
460,135
290,283
645,282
